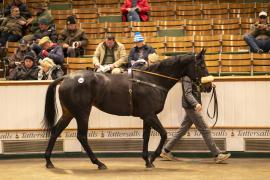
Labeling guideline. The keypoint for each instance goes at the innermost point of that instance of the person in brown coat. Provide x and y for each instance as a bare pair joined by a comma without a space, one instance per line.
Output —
72,39
12,27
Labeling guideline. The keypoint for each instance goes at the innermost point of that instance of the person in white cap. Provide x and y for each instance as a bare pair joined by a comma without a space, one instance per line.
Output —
259,37
140,52
191,102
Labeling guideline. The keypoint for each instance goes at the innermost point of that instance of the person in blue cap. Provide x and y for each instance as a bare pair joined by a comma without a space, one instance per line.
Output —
140,52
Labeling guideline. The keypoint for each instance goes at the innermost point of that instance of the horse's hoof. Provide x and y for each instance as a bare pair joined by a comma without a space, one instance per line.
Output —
150,165
102,167
49,166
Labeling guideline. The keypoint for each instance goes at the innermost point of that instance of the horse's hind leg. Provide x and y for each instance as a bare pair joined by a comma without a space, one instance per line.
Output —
82,137
146,135
55,133
156,125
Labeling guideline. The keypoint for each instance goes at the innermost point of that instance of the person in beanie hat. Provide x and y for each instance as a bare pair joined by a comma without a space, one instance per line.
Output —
135,10
259,37
72,39
28,70
140,52
110,56
191,102
18,57
41,12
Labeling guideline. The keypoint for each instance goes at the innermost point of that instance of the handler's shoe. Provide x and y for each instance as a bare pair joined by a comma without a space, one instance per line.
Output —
168,156
222,157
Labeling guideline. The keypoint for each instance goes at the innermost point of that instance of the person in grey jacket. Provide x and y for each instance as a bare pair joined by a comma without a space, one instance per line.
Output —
191,102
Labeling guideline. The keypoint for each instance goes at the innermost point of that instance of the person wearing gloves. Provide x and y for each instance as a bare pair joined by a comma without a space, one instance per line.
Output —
110,56
191,102
72,39
50,50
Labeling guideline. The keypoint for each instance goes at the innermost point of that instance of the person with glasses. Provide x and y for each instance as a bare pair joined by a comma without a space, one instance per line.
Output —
259,37
110,56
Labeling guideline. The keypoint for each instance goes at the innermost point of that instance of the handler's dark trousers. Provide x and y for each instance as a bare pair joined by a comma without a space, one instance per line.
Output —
193,117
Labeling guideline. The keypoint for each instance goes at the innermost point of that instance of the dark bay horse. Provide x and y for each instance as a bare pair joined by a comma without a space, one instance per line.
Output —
81,90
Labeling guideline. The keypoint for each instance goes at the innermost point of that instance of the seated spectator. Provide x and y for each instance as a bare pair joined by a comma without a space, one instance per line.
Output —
140,52
28,70
72,39
259,37
22,7
135,10
18,57
43,30
49,70
110,56
50,50
12,27
41,12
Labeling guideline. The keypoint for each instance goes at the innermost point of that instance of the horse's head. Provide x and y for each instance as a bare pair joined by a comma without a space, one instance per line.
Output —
198,68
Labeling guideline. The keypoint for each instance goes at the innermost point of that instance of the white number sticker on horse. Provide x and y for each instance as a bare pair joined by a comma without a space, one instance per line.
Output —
81,80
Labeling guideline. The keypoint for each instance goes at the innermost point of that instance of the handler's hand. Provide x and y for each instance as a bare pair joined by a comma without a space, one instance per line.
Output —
198,107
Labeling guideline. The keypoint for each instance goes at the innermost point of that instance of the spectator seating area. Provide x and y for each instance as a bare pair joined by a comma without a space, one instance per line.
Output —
175,27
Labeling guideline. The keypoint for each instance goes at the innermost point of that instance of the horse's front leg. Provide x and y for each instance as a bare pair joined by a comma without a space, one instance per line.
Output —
146,135
156,125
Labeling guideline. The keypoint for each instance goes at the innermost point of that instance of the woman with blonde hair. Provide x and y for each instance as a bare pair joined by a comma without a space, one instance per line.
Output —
49,70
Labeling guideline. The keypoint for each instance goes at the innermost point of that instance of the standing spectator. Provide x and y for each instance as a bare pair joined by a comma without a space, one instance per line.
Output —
191,102
259,37
26,71
18,57
72,39
12,27
110,56
51,50
49,70
140,51
41,12
135,10
22,7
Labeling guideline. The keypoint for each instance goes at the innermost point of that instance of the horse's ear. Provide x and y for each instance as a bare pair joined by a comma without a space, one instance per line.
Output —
201,54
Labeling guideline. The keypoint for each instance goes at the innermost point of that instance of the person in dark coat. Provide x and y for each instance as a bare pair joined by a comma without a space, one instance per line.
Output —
12,27
140,52
26,71
51,50
73,39
18,57
192,104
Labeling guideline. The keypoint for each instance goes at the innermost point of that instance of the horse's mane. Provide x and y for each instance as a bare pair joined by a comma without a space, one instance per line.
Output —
163,63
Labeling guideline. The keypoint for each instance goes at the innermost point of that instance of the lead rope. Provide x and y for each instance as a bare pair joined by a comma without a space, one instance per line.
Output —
215,113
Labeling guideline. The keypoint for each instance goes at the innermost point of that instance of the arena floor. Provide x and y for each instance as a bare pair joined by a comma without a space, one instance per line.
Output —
133,169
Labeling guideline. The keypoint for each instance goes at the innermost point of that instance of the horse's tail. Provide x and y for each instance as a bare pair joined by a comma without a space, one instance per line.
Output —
50,107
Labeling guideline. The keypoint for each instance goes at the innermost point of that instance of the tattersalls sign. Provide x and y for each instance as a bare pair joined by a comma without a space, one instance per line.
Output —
135,133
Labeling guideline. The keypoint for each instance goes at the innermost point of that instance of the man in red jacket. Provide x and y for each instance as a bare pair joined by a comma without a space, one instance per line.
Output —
135,10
